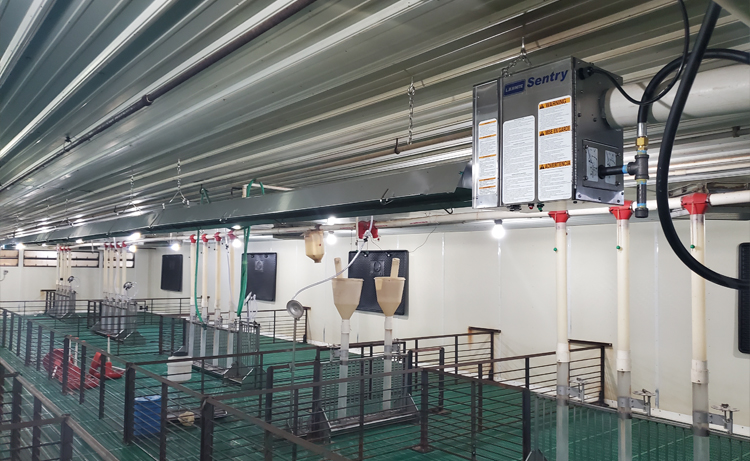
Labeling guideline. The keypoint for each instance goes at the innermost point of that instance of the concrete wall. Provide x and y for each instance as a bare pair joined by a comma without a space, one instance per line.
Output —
467,279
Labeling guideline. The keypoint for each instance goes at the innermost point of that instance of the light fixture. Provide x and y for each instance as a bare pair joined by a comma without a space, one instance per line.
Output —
132,248
331,238
134,236
175,246
236,243
498,231
236,227
20,246
44,244
79,240
331,220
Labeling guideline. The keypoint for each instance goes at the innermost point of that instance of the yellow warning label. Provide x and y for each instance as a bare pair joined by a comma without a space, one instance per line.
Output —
562,129
488,136
487,179
556,102
547,166
488,122
487,156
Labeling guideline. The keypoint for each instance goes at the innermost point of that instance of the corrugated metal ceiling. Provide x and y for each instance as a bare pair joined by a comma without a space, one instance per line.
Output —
320,98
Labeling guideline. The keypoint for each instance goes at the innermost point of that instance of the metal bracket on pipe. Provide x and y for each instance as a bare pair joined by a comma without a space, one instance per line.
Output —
726,419
645,403
579,390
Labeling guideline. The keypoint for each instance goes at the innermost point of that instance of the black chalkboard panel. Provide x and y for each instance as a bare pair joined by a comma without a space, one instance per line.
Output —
743,309
371,264
261,275
171,272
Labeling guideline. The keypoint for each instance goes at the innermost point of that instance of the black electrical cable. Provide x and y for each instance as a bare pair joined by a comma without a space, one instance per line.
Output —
681,60
711,53
665,154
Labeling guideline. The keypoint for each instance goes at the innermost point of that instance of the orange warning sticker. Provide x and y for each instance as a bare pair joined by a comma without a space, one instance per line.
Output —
556,102
562,129
547,166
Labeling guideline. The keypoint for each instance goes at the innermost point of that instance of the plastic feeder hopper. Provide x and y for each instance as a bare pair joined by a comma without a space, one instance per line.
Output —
346,294
389,291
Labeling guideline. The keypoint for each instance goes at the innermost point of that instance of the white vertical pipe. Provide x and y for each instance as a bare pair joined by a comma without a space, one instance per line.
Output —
344,368
217,280
104,270
699,372
124,273
387,363
232,291
563,350
624,413
204,293
193,301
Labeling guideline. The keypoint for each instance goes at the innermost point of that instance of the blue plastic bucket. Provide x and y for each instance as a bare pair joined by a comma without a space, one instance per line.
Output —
147,416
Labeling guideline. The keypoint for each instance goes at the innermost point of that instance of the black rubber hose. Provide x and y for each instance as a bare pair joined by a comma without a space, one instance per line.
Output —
713,53
665,154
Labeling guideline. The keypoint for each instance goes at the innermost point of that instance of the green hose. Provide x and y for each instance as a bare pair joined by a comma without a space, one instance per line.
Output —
195,287
243,274
262,189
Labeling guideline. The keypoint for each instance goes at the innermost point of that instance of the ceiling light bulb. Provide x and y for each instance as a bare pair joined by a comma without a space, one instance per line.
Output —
44,244
175,246
134,236
236,243
498,231
331,238
79,241
331,220
20,246
236,227
132,248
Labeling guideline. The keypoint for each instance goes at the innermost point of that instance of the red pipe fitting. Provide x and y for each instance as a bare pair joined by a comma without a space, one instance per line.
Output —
695,203
230,235
622,212
193,239
362,227
217,237
559,216
204,238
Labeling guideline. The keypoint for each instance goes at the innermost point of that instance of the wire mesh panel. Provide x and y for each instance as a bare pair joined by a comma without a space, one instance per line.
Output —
240,338
63,303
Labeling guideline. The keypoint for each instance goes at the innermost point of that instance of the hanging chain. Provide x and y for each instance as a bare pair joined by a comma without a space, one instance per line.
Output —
411,92
132,194
179,188
522,57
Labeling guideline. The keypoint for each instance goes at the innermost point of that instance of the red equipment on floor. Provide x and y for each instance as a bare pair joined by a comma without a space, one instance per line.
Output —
110,372
54,362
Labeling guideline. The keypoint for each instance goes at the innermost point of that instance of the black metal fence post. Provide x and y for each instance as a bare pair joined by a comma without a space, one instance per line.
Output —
268,417
65,364
295,422
39,335
274,326
171,338
129,418
480,399
29,333
473,420
455,355
207,431
362,409
317,416
50,365
18,336
15,417
102,379
66,441
492,356
424,413
36,433
526,412
10,333
409,376
163,421
2,392
441,382
161,334
601,375
82,373
5,325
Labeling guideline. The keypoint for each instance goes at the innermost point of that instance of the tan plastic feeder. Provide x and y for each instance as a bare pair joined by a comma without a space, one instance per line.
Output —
346,294
314,248
389,291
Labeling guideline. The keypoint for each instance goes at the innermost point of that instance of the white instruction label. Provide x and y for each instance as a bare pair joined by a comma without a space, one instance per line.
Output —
519,162
487,157
610,159
555,158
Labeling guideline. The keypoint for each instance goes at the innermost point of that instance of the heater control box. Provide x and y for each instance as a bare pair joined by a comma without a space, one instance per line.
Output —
539,137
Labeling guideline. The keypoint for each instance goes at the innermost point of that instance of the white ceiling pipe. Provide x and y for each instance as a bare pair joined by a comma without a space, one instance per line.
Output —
715,92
